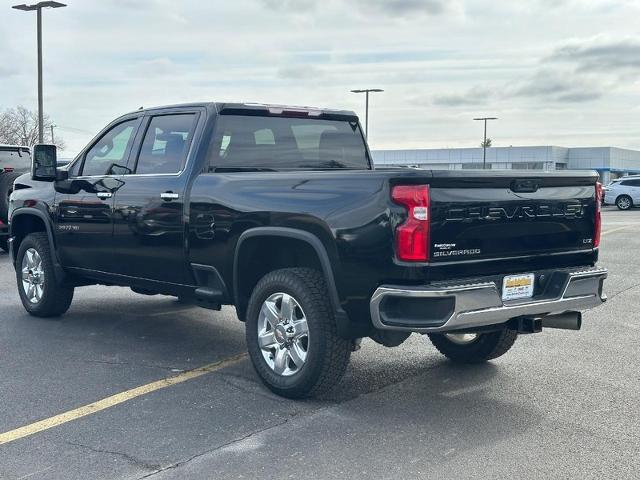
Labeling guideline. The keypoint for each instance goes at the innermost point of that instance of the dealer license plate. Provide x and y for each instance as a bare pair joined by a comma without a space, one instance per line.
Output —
518,286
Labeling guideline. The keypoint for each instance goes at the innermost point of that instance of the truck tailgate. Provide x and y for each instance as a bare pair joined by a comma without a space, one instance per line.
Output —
490,215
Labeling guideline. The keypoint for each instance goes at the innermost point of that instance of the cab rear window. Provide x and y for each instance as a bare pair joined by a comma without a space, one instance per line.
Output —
15,158
283,143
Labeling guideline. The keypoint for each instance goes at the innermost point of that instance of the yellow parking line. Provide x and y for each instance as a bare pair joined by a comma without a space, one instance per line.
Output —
615,230
113,400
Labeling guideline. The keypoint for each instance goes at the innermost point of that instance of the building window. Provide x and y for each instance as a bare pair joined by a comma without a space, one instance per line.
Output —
527,165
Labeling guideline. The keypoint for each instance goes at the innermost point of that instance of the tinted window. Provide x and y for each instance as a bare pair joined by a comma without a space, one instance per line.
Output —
166,144
474,166
112,149
527,165
17,158
286,143
631,183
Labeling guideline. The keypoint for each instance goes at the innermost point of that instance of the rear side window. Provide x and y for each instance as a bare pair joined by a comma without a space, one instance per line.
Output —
631,183
272,143
16,158
166,144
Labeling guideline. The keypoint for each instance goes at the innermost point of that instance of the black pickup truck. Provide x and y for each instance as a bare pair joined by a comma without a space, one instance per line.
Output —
280,212
14,161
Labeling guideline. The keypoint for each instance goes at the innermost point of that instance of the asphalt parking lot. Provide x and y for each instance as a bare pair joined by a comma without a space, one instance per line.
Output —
559,405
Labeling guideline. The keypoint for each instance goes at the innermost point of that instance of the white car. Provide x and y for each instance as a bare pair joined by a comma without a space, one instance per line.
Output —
624,192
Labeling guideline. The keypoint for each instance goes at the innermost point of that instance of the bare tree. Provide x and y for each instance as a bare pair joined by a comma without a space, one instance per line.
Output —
486,144
19,126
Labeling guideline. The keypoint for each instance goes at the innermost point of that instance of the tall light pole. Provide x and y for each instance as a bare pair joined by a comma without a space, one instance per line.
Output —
38,8
484,142
366,111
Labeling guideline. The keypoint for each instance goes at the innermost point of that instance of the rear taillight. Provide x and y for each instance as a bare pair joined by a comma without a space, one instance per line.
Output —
412,237
8,169
598,219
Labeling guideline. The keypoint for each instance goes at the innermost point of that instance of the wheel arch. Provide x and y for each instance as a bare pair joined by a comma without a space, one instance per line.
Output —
293,248
28,220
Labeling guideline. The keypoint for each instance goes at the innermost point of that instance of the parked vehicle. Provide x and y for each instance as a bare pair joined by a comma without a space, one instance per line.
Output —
14,161
623,192
279,212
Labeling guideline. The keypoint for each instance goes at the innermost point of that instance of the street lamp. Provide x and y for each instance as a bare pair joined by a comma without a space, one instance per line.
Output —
366,112
38,8
484,142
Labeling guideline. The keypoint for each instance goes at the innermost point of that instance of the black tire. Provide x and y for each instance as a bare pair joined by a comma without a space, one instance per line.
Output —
56,298
624,202
6,187
3,244
327,354
486,346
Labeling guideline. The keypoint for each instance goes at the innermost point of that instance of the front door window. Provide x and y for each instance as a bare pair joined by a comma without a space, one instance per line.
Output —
109,154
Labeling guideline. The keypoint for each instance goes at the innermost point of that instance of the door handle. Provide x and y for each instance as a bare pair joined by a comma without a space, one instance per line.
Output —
104,194
169,196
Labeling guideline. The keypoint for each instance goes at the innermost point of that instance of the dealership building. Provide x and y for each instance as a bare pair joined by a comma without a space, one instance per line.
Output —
609,162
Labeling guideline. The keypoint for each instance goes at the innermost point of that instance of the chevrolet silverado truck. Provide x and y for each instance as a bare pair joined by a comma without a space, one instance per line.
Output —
14,161
280,212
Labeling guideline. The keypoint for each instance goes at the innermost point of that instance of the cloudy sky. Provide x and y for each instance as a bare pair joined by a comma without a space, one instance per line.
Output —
561,72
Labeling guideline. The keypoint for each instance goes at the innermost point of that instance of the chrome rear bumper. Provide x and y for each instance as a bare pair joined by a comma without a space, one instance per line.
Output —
447,307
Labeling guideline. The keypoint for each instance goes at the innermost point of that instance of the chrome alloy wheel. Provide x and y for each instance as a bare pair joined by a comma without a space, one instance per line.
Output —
462,338
624,203
283,334
32,275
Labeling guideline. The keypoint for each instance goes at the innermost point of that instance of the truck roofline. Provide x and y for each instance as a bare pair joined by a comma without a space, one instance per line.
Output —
14,147
249,107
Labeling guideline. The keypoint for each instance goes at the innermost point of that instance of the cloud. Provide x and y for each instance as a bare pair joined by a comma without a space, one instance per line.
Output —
299,72
600,54
443,57
544,85
474,96
407,8
558,86
580,97
7,71
402,8
295,6
577,72
157,67
391,8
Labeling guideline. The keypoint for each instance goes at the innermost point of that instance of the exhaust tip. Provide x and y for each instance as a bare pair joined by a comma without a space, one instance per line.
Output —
563,321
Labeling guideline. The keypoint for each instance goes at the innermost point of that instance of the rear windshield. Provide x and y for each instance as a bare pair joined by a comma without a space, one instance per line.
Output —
280,143
15,158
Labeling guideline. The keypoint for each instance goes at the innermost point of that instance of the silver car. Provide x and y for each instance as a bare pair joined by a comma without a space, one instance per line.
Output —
624,192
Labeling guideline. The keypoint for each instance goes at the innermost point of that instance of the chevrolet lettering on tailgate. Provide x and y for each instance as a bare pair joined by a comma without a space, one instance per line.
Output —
520,212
